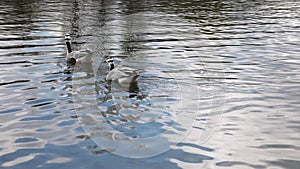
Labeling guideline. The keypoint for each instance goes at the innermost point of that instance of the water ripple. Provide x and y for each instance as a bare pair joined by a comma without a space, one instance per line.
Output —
243,52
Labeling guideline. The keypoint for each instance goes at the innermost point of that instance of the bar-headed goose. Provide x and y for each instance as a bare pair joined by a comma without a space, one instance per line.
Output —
81,56
123,75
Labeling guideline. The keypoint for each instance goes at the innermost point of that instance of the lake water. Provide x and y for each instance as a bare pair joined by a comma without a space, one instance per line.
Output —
218,86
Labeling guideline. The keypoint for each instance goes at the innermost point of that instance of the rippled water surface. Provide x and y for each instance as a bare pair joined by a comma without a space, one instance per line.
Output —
218,86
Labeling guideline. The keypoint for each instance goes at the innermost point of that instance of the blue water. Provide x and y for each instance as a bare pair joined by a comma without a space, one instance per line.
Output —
218,86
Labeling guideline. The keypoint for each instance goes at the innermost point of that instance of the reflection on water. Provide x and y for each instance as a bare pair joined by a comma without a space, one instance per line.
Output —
192,56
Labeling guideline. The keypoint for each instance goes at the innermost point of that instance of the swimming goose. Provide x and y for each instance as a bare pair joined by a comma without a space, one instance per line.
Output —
81,56
125,76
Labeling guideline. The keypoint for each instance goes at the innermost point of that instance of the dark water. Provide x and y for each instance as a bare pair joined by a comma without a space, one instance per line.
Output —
219,84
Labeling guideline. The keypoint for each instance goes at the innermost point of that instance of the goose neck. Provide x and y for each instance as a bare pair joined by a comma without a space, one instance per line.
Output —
112,66
68,44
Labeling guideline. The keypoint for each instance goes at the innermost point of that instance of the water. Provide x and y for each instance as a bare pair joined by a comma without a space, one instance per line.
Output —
218,87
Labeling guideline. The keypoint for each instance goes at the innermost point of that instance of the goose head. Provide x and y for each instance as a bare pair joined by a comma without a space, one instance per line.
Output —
68,37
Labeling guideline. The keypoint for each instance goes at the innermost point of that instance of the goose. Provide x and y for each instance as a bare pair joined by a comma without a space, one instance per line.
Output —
125,76
81,56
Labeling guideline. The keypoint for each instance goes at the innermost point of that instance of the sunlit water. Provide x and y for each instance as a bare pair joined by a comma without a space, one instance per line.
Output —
218,86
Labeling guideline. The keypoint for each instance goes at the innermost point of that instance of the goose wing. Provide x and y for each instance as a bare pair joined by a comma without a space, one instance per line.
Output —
86,59
122,74
82,56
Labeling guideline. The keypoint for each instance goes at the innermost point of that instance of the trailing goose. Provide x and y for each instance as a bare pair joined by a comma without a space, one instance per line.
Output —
81,56
125,76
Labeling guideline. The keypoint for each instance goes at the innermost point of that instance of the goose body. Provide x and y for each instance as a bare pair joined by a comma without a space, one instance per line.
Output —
81,56
123,75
